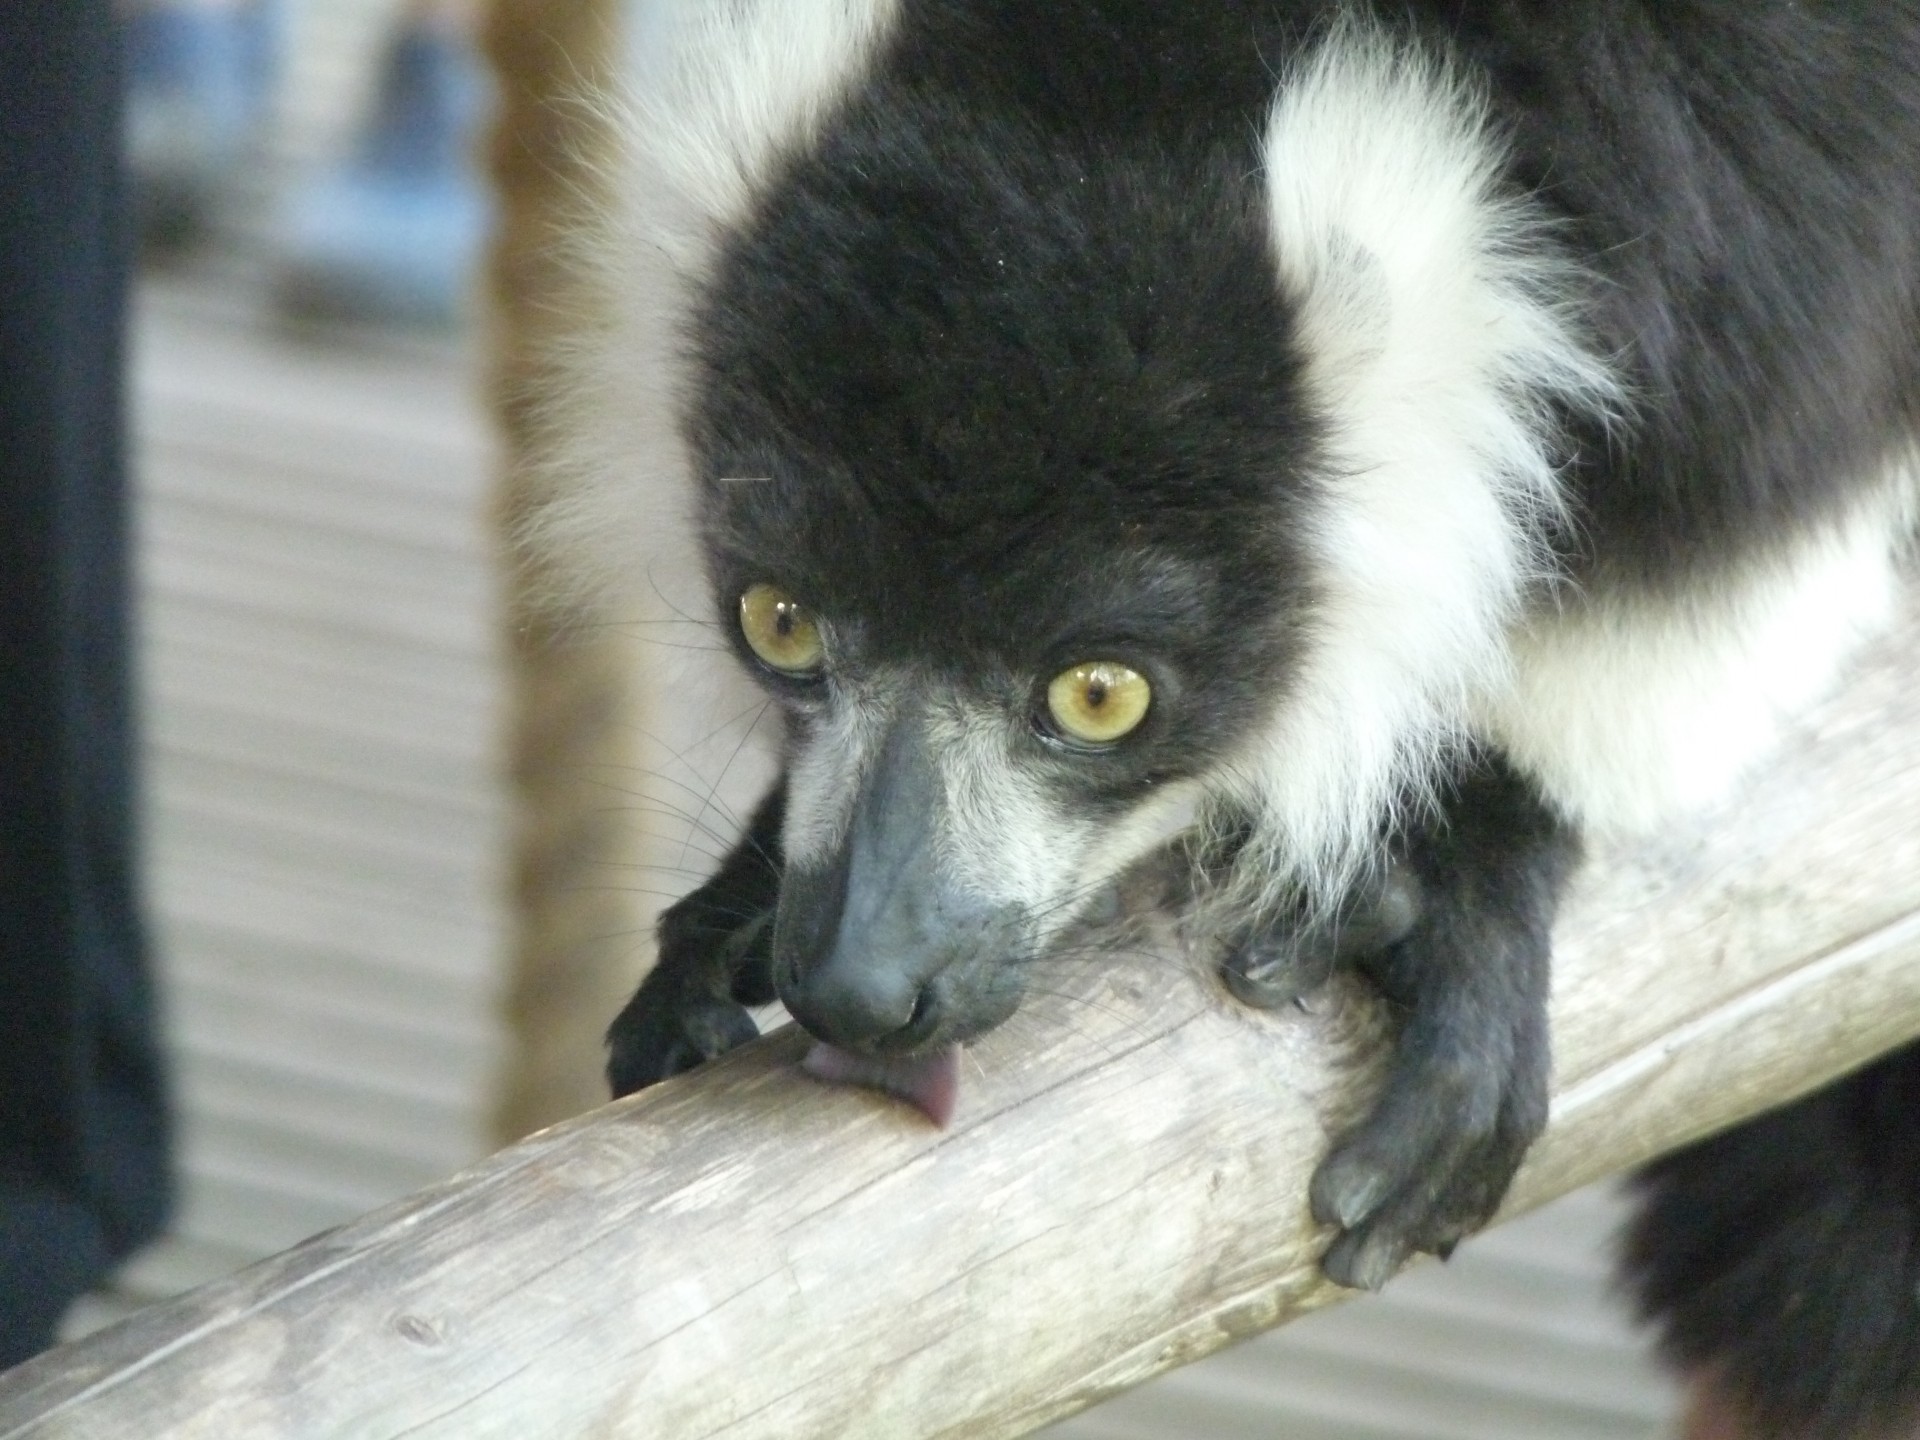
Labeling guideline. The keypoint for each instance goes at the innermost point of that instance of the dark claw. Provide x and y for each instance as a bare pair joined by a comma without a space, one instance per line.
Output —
1346,1194
1271,975
1364,1259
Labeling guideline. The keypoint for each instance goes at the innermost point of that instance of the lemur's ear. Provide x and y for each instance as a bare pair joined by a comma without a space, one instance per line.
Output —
721,91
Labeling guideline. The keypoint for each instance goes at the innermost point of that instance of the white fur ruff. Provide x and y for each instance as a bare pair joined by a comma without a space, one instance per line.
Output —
723,89
1438,322
1626,711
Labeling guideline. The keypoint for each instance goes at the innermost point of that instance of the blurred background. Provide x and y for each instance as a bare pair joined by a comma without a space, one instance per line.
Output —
323,667
317,614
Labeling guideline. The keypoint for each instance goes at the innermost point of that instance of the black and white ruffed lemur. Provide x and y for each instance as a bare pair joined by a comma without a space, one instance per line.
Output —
1391,442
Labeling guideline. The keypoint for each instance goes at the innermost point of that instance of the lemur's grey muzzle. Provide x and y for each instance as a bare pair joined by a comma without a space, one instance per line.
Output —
880,950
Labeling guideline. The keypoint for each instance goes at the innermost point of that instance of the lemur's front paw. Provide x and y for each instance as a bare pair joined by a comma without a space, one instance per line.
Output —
1459,945
1280,961
1466,1096
668,1029
1432,1162
1428,1168
691,1008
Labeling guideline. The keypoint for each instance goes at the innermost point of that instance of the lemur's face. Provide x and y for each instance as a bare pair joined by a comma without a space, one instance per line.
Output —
989,501
970,756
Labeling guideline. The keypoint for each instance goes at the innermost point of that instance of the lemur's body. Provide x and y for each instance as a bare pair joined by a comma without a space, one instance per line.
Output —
1467,430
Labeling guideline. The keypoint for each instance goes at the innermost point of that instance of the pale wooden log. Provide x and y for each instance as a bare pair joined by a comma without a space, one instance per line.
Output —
745,1253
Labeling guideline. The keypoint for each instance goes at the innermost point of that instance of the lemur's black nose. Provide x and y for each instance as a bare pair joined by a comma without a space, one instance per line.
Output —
870,1006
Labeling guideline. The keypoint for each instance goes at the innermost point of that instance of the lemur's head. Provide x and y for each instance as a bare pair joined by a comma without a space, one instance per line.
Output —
1071,458
998,462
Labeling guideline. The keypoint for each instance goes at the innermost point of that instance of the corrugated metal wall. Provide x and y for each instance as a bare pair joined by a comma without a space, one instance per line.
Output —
324,817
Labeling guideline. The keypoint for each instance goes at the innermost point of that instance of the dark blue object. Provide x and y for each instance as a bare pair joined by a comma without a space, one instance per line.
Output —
83,1134
394,233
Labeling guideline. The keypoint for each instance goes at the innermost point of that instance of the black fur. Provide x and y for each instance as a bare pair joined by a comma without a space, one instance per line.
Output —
1738,176
1467,1093
1742,178
887,347
716,957
1012,318
1783,1258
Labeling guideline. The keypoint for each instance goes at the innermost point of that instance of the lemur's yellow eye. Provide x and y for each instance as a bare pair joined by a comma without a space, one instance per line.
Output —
1098,702
780,630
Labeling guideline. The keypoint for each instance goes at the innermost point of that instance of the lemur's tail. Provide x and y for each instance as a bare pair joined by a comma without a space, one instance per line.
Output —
1781,1261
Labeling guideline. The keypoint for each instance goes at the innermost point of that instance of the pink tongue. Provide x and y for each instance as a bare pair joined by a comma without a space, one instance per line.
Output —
930,1083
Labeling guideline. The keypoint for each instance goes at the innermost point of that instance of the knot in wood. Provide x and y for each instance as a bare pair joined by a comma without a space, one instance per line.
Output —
419,1330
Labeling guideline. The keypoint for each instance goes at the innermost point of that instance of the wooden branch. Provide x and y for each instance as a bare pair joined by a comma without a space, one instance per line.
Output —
745,1253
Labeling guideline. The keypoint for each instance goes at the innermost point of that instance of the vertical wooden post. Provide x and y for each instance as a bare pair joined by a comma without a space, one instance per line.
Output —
572,697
